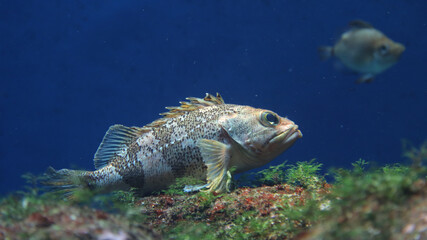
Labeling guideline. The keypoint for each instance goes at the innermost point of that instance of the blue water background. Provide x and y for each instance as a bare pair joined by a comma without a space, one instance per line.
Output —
70,69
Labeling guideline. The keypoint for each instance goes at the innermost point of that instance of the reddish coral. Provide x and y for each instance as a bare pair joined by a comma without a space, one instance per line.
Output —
39,220
101,215
218,207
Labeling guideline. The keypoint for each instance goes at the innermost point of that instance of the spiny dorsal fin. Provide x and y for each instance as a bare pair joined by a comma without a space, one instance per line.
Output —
194,104
116,138
360,24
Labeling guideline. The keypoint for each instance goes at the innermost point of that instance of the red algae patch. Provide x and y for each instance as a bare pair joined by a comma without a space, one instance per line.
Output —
263,201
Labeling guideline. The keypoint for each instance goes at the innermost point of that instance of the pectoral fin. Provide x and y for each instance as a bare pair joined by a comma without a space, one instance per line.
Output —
367,78
194,188
216,156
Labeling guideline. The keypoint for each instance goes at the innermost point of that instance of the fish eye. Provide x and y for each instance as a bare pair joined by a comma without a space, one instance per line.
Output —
383,49
269,119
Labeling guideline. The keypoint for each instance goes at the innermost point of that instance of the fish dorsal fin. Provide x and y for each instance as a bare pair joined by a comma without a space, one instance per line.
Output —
359,24
193,104
116,138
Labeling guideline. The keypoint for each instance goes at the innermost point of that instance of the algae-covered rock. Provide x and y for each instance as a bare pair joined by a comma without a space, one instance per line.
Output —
63,221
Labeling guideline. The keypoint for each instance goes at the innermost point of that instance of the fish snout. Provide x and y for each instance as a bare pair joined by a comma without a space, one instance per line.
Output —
294,133
289,126
398,50
288,131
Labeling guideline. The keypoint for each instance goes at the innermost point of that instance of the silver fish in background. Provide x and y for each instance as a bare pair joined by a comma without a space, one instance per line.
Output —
365,50
202,138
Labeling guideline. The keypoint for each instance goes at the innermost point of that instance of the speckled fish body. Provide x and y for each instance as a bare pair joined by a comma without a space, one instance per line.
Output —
202,138
365,50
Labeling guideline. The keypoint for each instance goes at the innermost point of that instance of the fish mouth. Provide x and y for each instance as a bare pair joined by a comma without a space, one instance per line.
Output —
290,135
398,50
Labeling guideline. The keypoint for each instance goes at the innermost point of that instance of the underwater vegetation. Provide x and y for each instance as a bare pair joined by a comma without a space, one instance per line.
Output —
291,201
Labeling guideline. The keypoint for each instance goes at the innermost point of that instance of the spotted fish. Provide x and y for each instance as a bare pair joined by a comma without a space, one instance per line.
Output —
202,138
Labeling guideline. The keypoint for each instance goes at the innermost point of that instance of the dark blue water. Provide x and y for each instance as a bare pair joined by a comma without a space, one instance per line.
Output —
70,69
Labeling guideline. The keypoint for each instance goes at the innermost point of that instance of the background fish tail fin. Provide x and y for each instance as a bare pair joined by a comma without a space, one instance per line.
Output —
65,181
325,52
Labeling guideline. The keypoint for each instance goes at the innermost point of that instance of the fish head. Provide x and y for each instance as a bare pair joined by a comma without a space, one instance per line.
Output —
263,134
387,52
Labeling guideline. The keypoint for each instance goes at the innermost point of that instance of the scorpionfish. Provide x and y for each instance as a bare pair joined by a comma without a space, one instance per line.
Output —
203,138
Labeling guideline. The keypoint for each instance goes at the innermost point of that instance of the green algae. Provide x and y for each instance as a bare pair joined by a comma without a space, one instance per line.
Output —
374,203
272,175
305,174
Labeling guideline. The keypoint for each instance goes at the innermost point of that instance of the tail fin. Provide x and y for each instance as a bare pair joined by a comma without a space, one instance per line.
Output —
65,181
325,52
